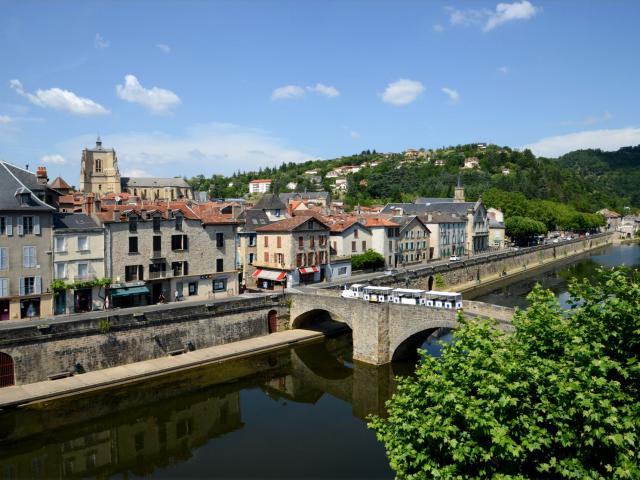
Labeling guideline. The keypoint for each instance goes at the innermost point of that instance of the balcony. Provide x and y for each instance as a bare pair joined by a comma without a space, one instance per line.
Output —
160,274
156,254
87,277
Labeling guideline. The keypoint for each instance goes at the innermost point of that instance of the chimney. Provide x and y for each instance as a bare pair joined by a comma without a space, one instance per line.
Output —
88,204
41,176
429,217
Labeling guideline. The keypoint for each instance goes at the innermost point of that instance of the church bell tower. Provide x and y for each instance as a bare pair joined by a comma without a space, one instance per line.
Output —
99,173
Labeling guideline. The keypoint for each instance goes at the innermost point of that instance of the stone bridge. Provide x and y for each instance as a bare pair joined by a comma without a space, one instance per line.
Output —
383,332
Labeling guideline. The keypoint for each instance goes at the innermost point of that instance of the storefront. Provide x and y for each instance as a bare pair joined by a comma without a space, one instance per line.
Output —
130,296
270,279
82,300
30,308
310,274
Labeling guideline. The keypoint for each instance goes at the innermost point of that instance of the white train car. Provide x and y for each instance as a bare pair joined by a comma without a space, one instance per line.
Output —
377,294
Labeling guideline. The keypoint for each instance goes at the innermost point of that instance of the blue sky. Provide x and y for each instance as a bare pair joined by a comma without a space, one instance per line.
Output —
181,88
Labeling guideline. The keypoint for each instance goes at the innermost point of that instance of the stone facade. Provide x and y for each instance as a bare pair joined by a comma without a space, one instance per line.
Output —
99,171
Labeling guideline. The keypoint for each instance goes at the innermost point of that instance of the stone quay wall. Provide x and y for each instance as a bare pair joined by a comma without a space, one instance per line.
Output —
467,274
112,339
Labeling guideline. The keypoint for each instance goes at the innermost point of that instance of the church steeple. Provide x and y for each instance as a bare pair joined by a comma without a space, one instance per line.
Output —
458,195
98,142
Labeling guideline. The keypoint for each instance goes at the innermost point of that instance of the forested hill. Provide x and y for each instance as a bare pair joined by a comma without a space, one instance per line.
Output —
586,180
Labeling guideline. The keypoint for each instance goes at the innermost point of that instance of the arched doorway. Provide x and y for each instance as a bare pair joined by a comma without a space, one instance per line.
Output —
272,321
430,283
6,370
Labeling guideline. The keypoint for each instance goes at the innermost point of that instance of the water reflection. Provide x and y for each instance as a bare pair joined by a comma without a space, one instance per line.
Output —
557,279
295,413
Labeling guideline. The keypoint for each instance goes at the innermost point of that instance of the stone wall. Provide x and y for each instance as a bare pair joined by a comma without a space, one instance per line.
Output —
110,340
483,309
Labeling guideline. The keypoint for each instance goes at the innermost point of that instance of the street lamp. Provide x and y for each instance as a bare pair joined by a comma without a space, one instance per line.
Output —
284,280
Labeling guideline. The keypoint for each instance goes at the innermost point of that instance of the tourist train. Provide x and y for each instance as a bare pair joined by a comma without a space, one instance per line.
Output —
404,296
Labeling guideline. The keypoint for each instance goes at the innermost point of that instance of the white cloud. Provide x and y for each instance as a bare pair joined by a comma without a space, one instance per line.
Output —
286,92
135,172
4,119
508,12
490,19
100,42
402,92
354,135
454,96
205,148
59,99
156,100
590,119
326,90
164,48
504,70
53,159
611,139
438,28
296,91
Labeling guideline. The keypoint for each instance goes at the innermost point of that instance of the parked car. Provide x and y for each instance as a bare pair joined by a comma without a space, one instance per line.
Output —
454,258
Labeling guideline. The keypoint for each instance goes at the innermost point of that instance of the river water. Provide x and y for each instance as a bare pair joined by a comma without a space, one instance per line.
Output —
296,413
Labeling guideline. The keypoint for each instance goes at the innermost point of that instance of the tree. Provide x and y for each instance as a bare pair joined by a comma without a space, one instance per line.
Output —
368,260
558,398
522,228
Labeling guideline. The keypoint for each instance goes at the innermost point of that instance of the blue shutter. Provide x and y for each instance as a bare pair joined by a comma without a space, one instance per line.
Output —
9,226
36,225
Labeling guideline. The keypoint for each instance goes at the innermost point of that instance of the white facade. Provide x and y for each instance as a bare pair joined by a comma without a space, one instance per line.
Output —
353,240
259,186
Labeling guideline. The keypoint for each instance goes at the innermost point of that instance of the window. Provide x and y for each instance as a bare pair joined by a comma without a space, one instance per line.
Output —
60,244
133,244
279,241
279,258
4,287
133,224
219,265
157,244
220,239
83,243
266,257
310,259
193,288
364,245
300,242
156,224
252,240
180,268
390,245
28,257
266,241
312,241
342,271
277,212
353,246
83,270
179,223
252,258
299,259
219,284
30,225
98,165
322,239
133,272
179,242
30,285
61,270
4,258
355,233
3,225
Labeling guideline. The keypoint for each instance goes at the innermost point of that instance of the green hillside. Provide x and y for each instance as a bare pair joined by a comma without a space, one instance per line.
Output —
585,180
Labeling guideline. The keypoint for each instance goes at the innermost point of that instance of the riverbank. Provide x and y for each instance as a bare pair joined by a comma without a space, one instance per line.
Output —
135,372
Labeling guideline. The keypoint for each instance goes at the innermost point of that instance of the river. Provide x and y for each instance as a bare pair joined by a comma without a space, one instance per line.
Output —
296,413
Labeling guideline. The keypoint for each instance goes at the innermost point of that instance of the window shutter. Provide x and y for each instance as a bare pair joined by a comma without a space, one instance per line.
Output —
19,225
4,260
21,286
140,272
186,268
186,242
9,227
36,225
25,257
38,285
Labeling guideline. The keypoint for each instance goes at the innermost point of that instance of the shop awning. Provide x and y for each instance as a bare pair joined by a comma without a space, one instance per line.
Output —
124,292
306,270
275,275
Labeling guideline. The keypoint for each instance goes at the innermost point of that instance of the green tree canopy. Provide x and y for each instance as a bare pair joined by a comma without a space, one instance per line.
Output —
559,398
522,228
368,260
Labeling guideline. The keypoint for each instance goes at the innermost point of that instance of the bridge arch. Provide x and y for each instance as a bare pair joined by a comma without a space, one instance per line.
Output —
404,344
408,349
315,316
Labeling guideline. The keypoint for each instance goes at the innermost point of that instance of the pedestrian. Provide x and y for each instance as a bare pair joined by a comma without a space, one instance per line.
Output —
177,296
161,298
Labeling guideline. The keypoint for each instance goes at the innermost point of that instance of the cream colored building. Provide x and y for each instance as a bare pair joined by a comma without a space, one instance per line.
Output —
414,242
348,238
78,256
99,171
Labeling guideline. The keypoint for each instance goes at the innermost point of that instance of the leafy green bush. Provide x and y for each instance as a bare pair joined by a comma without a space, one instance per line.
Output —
559,398
368,260
522,228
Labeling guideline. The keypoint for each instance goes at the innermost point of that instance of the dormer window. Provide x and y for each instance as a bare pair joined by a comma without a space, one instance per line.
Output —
24,198
133,224
277,212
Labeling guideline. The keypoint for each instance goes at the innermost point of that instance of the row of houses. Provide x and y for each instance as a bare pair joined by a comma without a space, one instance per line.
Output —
66,252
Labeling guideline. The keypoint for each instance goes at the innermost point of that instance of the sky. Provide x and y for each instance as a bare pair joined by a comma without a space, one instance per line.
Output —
186,88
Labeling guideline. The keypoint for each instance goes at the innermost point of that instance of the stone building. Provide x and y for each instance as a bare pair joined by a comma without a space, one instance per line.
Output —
172,250
26,217
249,220
99,174
349,237
414,240
78,256
292,251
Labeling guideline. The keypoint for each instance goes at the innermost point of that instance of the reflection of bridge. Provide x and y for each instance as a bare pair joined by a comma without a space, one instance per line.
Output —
383,332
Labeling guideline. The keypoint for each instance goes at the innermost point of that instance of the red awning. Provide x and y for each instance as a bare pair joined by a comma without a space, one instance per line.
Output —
305,270
275,275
